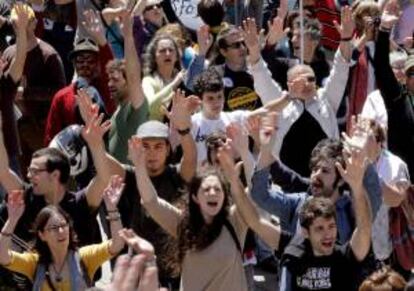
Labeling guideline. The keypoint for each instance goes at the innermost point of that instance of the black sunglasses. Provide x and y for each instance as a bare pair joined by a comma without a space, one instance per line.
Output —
311,79
236,45
410,74
151,7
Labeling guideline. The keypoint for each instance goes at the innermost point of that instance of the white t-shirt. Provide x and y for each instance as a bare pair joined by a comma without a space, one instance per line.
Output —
374,108
202,127
391,169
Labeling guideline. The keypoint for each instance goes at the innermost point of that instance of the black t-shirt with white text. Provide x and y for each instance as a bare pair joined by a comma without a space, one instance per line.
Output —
301,270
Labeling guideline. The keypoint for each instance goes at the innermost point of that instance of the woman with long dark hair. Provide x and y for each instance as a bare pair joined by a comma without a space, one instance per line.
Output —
55,263
210,231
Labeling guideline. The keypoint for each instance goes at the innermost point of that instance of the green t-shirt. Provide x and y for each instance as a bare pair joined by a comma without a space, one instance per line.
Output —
125,122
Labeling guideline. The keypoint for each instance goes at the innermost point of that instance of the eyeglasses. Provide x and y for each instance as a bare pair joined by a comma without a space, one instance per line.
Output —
56,228
151,7
410,74
236,45
35,171
310,79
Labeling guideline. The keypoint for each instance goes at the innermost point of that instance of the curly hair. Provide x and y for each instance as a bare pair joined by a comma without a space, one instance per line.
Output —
150,64
314,208
363,8
384,279
209,80
193,232
45,256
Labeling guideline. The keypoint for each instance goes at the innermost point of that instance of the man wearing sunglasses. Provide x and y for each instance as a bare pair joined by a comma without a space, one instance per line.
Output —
238,83
398,97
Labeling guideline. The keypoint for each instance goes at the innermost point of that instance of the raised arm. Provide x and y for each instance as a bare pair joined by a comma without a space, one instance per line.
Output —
93,133
133,66
240,143
111,195
387,82
20,21
264,85
166,215
180,118
353,174
8,179
15,209
244,205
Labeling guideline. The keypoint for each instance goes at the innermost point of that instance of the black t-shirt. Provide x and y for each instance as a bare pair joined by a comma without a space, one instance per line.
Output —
336,272
75,204
169,187
239,91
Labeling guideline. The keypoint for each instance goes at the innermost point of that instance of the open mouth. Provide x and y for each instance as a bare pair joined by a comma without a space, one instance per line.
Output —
327,244
212,204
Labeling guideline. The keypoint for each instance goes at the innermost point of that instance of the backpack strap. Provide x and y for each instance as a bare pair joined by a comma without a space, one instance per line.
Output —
39,277
233,234
79,273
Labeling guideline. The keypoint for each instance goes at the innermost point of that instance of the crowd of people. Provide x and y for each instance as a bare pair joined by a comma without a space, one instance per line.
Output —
269,137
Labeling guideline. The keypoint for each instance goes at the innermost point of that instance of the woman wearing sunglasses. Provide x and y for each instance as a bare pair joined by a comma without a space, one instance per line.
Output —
55,263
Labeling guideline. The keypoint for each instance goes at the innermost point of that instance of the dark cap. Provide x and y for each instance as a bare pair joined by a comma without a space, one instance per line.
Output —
84,45
154,129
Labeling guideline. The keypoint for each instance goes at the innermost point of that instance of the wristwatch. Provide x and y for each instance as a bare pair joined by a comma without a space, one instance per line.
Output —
183,131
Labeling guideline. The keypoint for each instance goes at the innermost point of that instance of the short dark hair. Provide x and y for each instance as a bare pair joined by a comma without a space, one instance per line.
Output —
225,32
211,12
314,208
56,160
327,150
208,81
213,142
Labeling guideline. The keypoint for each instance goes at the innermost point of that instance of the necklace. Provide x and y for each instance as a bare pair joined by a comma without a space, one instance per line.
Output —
58,274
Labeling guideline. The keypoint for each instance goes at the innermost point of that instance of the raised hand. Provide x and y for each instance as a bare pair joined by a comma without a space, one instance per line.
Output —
93,25
21,18
390,15
113,192
136,152
182,109
204,39
251,39
138,244
239,138
268,127
347,27
94,131
127,23
227,165
110,14
15,205
276,31
88,109
356,163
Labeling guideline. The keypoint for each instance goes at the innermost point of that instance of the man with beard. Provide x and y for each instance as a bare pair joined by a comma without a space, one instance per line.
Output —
325,181
126,90
89,59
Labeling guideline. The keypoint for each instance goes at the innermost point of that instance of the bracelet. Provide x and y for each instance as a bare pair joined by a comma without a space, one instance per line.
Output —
346,38
6,234
114,217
